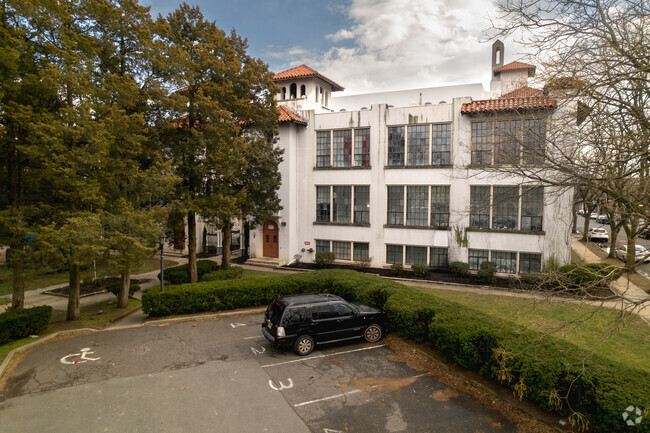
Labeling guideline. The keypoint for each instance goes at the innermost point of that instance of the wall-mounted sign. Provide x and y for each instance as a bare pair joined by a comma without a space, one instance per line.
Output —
306,242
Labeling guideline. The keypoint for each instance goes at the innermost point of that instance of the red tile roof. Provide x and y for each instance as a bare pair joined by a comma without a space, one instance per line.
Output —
288,115
524,98
304,71
514,66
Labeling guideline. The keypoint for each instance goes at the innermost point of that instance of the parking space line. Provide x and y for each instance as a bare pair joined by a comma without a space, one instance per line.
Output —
254,338
343,394
323,356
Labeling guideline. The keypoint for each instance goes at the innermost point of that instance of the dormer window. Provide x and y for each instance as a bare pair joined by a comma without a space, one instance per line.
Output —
292,91
302,90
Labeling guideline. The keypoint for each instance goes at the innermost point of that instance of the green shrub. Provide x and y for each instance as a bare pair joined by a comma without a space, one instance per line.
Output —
487,271
17,324
459,268
410,313
116,286
363,262
420,271
324,259
396,269
179,274
591,273
224,274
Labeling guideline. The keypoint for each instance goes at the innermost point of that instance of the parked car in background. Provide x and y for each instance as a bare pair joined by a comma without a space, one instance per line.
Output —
593,216
599,234
602,219
304,321
645,234
641,253
581,212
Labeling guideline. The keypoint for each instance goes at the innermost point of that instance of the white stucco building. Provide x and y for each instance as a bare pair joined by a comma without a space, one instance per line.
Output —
409,176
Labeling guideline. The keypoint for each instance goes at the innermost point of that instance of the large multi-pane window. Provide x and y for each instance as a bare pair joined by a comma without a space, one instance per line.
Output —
505,207
362,147
440,207
418,145
341,250
476,257
441,144
534,141
506,142
322,246
506,261
438,257
532,208
323,149
362,205
360,250
342,204
417,205
342,148
481,143
322,203
530,263
479,210
396,145
395,205
416,255
394,254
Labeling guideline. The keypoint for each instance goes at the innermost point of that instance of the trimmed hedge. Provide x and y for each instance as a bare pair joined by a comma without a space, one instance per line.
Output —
224,274
591,273
179,274
17,324
545,365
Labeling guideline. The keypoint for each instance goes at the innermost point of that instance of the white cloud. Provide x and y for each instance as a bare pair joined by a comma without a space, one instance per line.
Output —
341,35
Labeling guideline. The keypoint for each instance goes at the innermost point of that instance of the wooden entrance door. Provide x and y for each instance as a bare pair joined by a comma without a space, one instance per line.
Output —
270,239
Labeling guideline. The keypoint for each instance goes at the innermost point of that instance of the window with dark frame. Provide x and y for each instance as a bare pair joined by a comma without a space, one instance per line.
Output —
534,149
341,250
479,209
322,246
440,207
395,205
360,250
322,203
342,148
362,205
362,147
418,145
506,261
396,146
530,263
505,208
416,255
417,205
394,254
481,143
438,257
507,142
341,204
532,208
323,149
476,257
441,144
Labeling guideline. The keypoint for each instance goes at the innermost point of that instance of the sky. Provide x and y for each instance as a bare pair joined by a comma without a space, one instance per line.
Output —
363,45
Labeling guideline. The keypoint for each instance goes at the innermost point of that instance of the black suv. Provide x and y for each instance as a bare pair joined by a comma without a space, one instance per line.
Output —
302,321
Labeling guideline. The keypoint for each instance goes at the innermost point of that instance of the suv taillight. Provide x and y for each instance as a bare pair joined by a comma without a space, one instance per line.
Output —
280,331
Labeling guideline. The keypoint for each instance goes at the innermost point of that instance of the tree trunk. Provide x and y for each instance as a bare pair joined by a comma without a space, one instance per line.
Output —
225,253
574,229
18,292
192,273
73,297
123,299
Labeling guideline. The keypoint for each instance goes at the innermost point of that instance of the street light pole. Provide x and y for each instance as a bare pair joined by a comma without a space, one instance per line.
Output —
161,240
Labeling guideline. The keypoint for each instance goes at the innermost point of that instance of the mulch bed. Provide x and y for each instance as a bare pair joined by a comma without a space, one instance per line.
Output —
92,288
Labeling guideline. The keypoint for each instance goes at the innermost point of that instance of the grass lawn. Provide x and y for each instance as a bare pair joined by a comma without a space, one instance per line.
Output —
36,281
90,318
593,329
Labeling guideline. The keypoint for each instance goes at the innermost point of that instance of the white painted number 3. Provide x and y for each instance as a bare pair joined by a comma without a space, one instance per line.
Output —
282,385
82,357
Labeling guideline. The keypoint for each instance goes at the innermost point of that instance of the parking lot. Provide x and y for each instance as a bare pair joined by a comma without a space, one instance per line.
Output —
221,375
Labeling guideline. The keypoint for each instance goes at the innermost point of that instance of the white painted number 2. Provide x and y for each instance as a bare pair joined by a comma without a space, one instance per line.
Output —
282,385
82,357
258,352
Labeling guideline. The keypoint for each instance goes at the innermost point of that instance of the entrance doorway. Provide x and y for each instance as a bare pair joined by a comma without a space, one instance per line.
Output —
270,236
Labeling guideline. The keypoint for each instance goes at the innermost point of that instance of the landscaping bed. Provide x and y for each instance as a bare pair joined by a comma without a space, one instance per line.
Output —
93,287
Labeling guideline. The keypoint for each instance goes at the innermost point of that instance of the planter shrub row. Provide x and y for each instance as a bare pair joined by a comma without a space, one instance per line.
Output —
544,369
17,324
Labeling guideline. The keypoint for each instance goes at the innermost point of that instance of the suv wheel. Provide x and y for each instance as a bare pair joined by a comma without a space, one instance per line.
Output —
373,333
304,345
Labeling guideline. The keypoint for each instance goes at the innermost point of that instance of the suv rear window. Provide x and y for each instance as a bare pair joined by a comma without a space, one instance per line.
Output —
294,315
274,312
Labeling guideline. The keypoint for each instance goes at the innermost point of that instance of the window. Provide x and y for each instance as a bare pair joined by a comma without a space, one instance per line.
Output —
418,145
396,145
416,255
440,207
362,147
322,246
532,207
438,257
342,310
506,261
342,204
394,254
362,205
323,203
341,250
530,263
302,90
360,250
479,212
476,257
505,208
323,149
441,144
481,145
395,205
417,205
342,148
292,91
320,312
534,141
506,142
